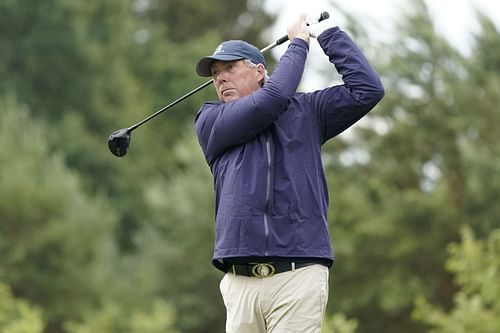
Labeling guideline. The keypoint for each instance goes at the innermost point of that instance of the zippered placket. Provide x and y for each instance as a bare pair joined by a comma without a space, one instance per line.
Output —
268,193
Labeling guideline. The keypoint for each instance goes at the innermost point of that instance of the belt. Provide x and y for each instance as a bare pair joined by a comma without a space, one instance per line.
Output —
266,269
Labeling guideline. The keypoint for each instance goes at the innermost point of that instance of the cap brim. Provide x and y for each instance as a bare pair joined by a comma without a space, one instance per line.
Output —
203,66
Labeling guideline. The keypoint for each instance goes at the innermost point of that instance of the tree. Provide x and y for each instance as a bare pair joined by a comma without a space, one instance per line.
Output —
339,324
52,232
77,71
177,242
68,56
18,316
112,318
87,239
476,265
185,20
405,179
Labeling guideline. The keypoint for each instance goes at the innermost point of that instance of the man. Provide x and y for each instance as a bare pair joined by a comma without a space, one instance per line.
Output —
262,141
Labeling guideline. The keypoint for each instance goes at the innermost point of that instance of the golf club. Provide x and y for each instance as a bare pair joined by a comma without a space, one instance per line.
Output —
119,141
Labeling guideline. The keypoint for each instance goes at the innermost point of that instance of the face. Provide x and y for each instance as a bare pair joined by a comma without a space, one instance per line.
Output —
235,79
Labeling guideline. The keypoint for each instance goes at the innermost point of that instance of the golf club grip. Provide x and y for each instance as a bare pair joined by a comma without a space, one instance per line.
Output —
323,16
281,40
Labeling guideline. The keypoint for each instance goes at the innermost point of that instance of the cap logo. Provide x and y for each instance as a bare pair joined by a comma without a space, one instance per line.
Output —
219,49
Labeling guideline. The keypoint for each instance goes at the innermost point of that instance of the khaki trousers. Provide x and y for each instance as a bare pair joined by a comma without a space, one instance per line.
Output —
288,302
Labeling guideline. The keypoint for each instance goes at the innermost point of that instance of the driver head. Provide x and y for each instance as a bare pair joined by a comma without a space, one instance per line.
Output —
119,141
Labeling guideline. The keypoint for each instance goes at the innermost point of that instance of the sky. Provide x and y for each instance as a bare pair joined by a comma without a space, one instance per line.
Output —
455,19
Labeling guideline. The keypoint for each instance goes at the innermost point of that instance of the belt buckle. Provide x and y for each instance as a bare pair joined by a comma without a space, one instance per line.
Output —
263,270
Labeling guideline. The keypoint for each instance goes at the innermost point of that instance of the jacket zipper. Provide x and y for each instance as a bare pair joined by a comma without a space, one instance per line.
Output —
268,194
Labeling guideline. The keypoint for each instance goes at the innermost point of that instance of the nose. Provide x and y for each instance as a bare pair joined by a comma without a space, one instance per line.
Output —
221,77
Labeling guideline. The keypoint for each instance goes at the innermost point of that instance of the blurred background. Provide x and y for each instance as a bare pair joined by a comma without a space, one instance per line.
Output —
94,243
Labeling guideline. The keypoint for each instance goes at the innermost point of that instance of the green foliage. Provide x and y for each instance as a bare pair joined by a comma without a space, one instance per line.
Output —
424,162
18,316
183,19
111,318
64,55
476,267
93,243
51,231
180,239
78,226
338,323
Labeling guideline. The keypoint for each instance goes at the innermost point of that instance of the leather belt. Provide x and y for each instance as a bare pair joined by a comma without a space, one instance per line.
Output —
266,269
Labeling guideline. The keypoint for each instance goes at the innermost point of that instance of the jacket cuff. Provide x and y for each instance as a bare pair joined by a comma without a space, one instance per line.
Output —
300,42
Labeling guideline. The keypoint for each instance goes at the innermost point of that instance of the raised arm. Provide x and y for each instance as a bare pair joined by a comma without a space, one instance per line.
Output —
339,107
220,126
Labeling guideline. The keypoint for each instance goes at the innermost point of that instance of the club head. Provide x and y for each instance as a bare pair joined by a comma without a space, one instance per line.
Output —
119,141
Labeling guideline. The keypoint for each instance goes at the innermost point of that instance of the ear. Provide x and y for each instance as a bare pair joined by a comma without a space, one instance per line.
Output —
261,72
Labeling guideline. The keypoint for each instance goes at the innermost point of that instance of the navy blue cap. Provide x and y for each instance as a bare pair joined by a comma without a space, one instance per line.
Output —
230,50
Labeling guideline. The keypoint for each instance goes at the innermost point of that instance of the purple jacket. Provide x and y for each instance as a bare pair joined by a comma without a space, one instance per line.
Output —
264,151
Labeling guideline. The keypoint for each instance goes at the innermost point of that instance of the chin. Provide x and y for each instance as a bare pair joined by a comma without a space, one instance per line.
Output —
229,98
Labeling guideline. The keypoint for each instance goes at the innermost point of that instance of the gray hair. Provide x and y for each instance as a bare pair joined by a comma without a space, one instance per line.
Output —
253,65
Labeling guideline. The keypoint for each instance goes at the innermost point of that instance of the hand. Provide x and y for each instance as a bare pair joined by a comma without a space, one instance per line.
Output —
299,29
317,28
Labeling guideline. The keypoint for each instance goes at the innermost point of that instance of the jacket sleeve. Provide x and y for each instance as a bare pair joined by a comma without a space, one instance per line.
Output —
221,126
339,107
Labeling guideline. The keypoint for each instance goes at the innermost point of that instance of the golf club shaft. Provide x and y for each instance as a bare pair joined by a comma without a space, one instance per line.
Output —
279,41
180,99
194,91
276,43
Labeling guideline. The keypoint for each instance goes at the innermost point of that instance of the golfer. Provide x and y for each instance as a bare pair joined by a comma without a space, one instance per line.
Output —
262,141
